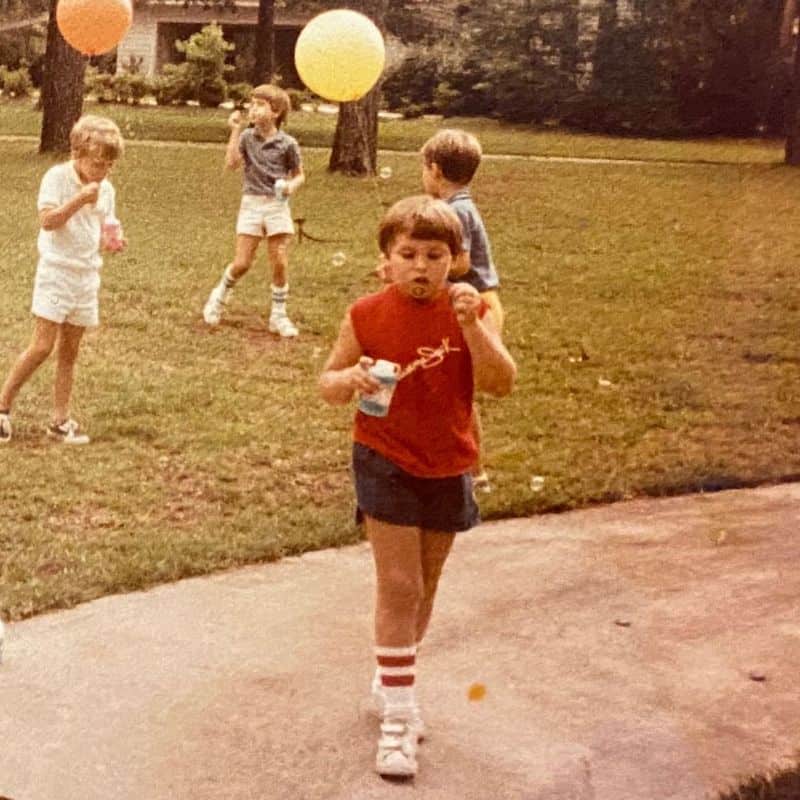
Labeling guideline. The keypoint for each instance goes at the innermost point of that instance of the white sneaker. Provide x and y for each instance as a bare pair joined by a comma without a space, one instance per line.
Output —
378,703
67,432
282,325
397,749
212,311
5,428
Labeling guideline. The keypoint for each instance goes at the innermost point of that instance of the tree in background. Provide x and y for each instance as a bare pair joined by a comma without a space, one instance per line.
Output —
355,141
790,59
23,35
264,68
62,89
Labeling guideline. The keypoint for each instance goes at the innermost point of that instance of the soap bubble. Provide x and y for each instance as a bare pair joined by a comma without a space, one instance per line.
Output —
338,258
385,173
537,483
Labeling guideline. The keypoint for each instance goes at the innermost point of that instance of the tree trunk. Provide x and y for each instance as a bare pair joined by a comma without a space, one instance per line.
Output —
792,152
62,89
264,69
355,143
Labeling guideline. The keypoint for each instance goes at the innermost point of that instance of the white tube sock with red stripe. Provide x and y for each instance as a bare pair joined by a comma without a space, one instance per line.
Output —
397,669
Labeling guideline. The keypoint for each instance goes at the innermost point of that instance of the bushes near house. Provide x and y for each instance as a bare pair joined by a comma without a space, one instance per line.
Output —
15,82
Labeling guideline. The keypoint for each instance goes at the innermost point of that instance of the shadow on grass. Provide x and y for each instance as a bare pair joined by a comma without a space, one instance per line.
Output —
782,785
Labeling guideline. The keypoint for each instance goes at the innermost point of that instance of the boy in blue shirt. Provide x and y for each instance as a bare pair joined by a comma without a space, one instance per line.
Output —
450,159
273,171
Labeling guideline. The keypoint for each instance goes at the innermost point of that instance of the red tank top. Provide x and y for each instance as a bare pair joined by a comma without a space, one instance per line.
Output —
427,431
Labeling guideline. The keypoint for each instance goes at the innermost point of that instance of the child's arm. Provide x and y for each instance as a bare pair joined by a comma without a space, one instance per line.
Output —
54,217
345,371
233,158
493,368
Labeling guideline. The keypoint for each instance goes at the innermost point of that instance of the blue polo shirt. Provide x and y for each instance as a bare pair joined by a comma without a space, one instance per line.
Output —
482,274
267,160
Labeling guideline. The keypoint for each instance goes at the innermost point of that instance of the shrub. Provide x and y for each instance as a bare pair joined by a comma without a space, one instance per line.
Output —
100,85
411,84
16,82
211,92
131,87
174,85
239,93
124,87
205,66
299,96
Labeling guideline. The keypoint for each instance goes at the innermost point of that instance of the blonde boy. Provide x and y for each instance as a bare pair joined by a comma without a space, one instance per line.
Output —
75,200
450,159
273,171
411,466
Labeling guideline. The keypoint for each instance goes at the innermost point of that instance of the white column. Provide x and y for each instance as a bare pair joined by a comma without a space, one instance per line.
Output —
139,42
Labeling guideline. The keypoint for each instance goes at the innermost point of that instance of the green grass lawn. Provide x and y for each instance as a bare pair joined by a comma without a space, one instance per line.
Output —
653,311
189,124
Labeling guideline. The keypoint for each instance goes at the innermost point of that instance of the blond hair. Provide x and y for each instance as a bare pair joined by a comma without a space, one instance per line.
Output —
456,153
96,136
277,98
421,217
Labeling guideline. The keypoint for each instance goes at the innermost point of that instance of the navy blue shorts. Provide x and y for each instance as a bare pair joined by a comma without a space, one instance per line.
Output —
390,494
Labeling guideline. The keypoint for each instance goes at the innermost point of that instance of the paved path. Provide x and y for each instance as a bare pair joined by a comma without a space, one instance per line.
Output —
646,650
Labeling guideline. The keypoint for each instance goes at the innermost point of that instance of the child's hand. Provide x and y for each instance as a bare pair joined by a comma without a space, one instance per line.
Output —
358,378
235,120
89,193
465,301
115,246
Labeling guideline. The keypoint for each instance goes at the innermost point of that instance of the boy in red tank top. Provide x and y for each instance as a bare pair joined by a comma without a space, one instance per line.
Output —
412,464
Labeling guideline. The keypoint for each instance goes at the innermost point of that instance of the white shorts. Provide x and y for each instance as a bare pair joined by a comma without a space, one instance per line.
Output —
264,216
64,294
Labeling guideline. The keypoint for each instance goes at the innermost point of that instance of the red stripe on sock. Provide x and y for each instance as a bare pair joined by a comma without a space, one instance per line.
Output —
396,661
397,680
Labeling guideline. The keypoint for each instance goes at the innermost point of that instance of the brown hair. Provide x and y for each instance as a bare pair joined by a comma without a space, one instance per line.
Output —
421,217
457,154
92,135
277,98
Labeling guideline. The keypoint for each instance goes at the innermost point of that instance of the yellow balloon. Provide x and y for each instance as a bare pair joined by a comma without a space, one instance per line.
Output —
340,55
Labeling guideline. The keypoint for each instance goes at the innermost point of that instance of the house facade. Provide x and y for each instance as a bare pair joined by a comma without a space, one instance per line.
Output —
157,24
150,41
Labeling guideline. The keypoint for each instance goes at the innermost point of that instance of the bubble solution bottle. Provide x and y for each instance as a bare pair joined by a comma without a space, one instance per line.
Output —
377,404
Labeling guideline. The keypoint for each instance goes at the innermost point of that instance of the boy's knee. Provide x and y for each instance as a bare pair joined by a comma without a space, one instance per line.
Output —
40,351
407,590
280,252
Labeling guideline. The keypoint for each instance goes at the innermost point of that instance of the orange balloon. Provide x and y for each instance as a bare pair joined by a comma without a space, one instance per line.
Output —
94,26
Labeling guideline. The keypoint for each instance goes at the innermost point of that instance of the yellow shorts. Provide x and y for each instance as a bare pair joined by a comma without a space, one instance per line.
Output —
492,299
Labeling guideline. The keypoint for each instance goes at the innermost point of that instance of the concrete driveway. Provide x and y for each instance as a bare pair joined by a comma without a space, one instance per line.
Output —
647,650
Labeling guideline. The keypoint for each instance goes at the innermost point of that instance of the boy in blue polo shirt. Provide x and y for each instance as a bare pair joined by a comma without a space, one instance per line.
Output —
450,159
273,171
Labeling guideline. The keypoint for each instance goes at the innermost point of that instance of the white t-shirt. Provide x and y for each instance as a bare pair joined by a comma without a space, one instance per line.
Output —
75,244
